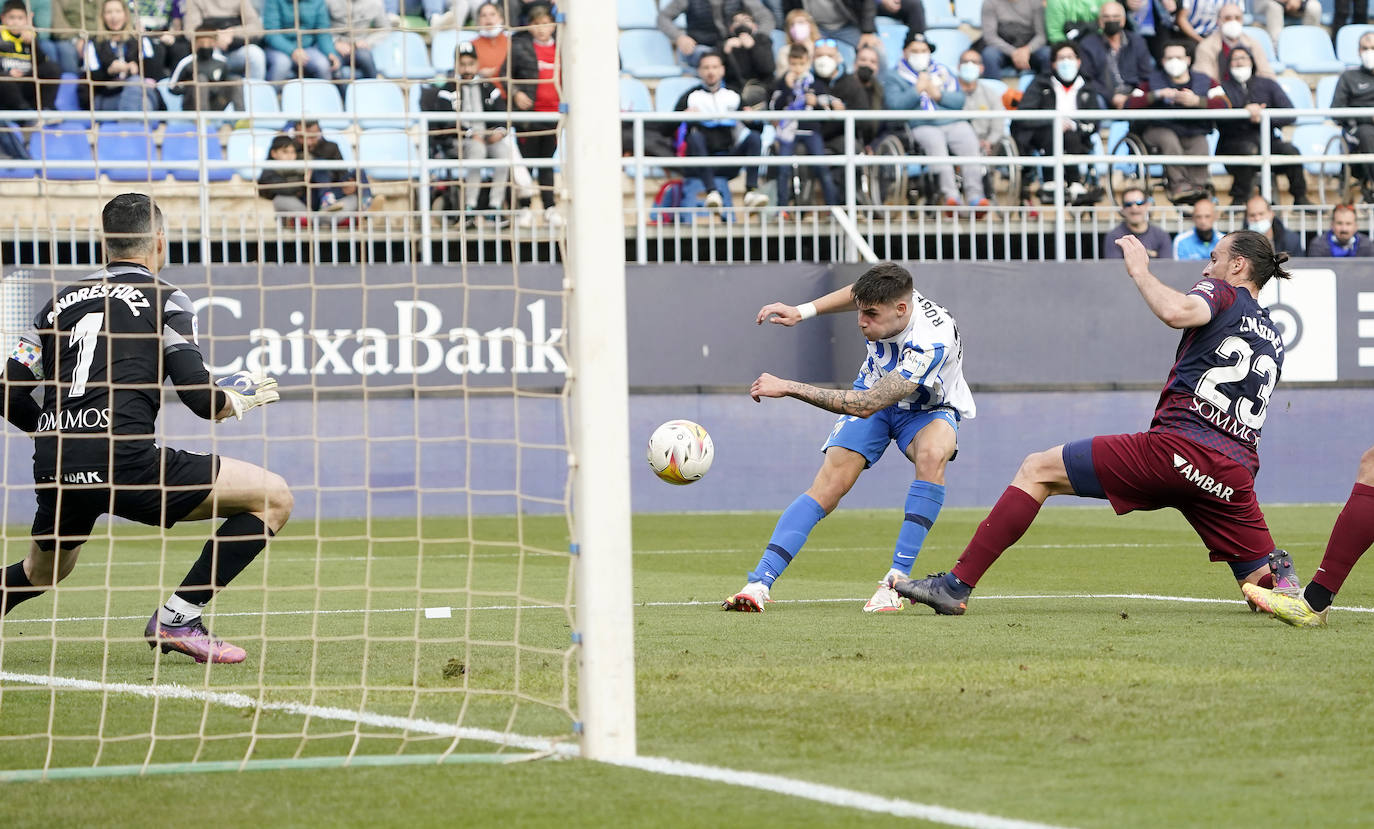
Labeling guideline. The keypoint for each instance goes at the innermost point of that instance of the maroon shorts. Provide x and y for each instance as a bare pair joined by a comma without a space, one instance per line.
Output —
1153,470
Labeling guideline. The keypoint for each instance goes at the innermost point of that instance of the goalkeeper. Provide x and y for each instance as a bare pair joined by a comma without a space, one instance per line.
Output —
98,352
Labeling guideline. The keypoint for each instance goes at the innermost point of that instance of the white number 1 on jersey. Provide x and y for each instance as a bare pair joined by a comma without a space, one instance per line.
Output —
83,336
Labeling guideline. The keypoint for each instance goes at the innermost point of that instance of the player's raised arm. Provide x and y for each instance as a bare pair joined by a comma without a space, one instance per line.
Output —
19,379
857,402
1173,307
781,313
185,366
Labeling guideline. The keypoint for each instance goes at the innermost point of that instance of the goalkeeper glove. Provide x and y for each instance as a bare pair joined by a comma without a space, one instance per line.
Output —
247,390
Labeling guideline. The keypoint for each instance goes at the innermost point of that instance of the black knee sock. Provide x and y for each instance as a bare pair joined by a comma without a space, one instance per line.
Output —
16,587
224,557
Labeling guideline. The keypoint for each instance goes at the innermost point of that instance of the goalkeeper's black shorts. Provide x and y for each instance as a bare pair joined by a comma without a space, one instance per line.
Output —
160,493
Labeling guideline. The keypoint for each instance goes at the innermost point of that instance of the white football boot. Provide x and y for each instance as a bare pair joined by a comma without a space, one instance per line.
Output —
886,600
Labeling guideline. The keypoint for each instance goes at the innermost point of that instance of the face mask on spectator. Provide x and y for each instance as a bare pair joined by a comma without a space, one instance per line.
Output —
825,66
205,53
865,73
490,31
1232,29
969,72
1367,59
1175,67
1111,27
801,31
920,61
1241,73
1260,225
1067,70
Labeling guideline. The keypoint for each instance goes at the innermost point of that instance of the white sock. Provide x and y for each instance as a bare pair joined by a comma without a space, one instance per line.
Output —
177,611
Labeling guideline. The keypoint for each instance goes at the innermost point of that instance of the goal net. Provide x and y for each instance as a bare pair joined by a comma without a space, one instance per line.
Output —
419,606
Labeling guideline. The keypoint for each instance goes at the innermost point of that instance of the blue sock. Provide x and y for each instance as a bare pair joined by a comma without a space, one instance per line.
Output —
923,502
788,537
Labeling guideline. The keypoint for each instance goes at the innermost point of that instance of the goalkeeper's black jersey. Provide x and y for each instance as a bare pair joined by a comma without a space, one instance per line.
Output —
100,349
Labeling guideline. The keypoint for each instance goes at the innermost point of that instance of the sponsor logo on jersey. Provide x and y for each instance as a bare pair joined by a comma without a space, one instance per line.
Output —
130,295
1207,288
1202,481
1227,423
74,420
83,478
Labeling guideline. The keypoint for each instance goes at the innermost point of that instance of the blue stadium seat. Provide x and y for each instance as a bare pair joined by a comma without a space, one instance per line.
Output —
634,96
646,53
376,96
403,54
261,105
1313,139
1326,90
319,98
127,141
170,101
1216,168
779,38
948,45
969,12
443,48
68,141
939,15
1300,95
67,99
637,14
386,146
12,173
887,24
1307,49
669,90
1261,36
892,44
1348,43
1328,11
183,143
248,149
847,55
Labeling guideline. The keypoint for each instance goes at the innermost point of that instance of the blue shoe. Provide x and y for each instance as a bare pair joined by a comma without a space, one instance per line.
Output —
935,591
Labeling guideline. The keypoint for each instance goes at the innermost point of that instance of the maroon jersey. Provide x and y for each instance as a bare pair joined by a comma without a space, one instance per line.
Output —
1218,390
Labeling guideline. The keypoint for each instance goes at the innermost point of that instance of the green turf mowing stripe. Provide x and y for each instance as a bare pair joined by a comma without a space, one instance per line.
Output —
285,763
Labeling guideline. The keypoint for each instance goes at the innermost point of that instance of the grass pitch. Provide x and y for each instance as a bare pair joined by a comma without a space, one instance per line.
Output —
1037,705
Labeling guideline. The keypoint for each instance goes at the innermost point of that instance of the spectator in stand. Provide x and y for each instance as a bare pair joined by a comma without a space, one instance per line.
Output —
471,139
800,90
1259,217
161,20
1214,52
917,82
1135,214
1115,59
910,13
1014,34
359,25
332,189
710,23
1279,13
55,47
446,14
203,78
1342,239
719,135
860,89
1153,20
1196,19
1063,89
749,65
21,69
1201,239
1355,88
1070,19
298,40
981,97
122,65
237,25
1345,12
848,21
1174,86
535,88
800,28
1245,90
76,21
285,188
492,43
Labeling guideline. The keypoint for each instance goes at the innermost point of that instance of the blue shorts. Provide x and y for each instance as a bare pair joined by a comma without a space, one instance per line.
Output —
870,436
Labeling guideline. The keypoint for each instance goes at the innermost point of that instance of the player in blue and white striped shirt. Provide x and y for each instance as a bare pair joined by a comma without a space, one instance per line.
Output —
910,389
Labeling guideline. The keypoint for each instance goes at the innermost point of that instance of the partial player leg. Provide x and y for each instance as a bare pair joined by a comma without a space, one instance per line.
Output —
1041,475
930,450
34,574
839,471
61,525
257,503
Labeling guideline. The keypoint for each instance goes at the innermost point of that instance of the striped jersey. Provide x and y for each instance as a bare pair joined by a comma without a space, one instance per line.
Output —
927,352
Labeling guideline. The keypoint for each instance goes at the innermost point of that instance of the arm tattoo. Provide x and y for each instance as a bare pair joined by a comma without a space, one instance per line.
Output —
857,402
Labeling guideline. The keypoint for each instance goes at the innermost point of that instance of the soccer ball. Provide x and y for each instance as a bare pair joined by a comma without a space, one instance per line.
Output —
680,452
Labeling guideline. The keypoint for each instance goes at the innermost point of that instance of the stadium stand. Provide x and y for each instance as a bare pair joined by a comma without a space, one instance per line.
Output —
1326,90
68,141
1260,35
646,53
1308,49
1348,43
443,47
940,15
634,96
376,103
127,142
315,96
637,14
182,143
403,54
261,105
1300,95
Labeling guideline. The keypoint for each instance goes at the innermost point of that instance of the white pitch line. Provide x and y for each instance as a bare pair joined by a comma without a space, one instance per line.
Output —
1149,597
820,793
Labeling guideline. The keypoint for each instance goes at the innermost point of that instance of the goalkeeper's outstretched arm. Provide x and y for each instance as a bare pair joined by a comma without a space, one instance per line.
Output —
229,396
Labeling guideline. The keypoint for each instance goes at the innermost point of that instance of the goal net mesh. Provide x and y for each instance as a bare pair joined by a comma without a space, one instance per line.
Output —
417,605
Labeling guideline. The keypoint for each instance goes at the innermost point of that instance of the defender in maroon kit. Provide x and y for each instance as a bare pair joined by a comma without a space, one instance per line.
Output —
1199,455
